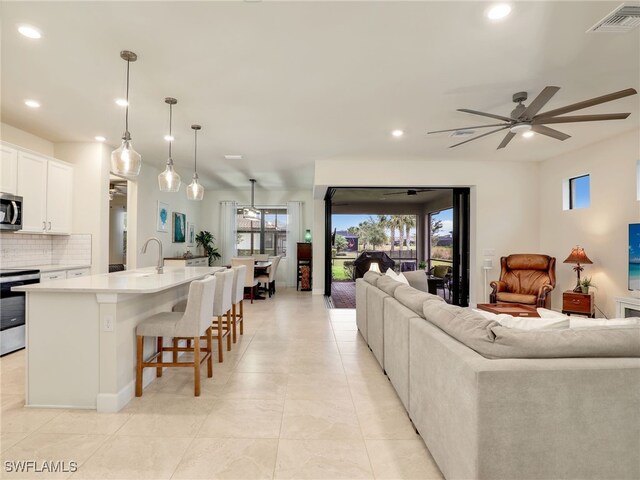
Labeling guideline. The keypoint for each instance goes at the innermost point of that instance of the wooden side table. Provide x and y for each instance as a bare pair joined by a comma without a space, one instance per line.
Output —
578,303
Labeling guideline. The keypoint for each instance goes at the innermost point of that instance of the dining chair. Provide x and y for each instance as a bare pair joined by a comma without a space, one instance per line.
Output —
194,323
237,299
250,281
269,277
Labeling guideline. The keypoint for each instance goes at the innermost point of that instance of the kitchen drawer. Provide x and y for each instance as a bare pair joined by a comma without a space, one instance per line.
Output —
581,303
48,276
78,272
196,262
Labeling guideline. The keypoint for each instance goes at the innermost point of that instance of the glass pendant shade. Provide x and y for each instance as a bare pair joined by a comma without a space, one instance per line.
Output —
169,180
195,191
251,213
125,160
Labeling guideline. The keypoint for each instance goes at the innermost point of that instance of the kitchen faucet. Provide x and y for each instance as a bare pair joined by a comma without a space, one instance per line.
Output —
160,266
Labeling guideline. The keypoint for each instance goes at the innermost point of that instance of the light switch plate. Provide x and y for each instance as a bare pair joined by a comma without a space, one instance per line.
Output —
108,323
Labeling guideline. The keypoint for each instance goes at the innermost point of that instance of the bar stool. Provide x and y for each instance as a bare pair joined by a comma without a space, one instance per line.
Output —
222,307
237,298
194,323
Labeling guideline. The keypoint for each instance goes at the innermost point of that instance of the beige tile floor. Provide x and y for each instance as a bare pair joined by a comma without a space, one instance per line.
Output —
300,396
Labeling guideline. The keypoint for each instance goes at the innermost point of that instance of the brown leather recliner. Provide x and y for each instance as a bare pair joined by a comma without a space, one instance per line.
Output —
525,278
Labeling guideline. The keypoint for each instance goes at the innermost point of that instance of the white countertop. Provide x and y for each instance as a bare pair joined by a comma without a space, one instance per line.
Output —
54,268
143,280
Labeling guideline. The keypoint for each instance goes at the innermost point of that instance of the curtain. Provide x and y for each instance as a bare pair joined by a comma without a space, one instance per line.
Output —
228,231
294,235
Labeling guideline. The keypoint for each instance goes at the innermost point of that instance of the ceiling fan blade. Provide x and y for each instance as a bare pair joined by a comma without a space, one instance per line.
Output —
550,132
508,137
479,136
485,114
467,128
582,118
396,193
588,103
540,101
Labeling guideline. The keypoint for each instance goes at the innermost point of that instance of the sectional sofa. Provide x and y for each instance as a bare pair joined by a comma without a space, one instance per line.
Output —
508,413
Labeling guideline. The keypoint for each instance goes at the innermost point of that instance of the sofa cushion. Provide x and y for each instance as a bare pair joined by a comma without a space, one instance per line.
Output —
527,323
492,340
387,284
372,278
418,280
516,298
578,322
414,299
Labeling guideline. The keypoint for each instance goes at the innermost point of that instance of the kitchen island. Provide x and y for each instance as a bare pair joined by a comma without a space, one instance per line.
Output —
80,334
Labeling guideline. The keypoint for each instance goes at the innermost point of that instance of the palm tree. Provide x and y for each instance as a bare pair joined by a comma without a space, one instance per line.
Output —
409,223
387,222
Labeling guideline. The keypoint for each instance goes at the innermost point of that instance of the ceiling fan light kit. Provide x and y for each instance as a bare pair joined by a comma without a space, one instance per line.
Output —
169,180
526,120
125,160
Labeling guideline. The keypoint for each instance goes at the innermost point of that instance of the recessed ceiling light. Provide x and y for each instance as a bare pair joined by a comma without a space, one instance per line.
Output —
100,138
29,31
121,102
169,138
498,11
233,157
397,133
32,104
528,134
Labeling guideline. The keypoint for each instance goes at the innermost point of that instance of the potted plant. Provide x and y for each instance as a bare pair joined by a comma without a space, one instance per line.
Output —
205,240
422,265
585,284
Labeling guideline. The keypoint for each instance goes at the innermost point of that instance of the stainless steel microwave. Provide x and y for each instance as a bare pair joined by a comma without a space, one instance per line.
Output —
10,212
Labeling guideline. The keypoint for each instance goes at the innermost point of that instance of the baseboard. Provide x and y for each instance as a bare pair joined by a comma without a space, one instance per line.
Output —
114,402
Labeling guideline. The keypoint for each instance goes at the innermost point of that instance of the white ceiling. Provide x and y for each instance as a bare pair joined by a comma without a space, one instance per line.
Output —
286,84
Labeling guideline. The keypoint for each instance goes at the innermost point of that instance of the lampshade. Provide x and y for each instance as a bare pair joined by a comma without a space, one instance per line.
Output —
195,191
374,267
124,159
578,255
169,180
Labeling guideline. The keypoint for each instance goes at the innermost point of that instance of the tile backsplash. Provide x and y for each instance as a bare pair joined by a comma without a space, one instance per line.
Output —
25,250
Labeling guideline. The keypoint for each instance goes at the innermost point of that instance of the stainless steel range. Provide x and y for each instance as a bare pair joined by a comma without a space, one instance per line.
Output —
12,307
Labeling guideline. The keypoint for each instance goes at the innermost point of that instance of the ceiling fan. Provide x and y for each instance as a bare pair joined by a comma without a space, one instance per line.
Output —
117,189
526,118
411,191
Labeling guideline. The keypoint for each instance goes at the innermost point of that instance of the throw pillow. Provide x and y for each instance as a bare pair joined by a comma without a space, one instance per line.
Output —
391,274
402,279
527,323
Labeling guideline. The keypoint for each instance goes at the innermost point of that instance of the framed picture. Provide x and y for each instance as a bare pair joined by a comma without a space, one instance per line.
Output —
191,235
179,227
163,217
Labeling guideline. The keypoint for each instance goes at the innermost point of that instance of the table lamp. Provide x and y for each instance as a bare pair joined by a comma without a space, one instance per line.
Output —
578,256
374,267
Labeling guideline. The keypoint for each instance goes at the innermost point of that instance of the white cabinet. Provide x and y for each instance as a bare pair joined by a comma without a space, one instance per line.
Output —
187,262
46,187
78,272
57,275
59,197
32,187
8,169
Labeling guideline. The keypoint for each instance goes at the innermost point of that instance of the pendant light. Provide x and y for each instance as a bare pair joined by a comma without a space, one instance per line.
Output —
195,191
125,160
251,213
169,180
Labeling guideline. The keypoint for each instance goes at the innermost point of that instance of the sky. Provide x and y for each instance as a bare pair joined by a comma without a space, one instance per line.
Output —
342,222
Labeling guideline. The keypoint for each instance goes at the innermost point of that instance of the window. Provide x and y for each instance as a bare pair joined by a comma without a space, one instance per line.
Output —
268,235
440,238
579,192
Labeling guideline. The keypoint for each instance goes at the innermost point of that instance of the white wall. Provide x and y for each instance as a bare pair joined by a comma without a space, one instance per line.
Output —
24,139
602,229
263,198
504,202
90,196
142,210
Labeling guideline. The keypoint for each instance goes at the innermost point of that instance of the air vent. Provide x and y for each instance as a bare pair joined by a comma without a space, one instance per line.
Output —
623,19
462,133
233,157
